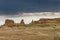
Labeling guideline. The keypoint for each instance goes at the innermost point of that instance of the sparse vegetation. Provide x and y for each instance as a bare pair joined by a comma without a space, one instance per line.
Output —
36,30
25,33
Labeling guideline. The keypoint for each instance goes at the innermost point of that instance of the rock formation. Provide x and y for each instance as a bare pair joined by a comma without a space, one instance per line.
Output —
9,22
22,23
42,22
46,22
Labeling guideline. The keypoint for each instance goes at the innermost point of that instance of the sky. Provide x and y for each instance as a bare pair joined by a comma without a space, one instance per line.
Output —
28,9
11,7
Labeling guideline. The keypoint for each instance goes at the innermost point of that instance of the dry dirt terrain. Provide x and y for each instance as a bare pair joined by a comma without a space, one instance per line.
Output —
27,33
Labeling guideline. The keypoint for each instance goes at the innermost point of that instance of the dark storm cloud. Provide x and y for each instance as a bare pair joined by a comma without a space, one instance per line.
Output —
13,6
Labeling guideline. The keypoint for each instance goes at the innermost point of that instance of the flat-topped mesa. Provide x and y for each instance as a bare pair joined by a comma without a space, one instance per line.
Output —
9,22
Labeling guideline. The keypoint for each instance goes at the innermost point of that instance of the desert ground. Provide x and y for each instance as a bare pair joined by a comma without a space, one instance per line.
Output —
29,33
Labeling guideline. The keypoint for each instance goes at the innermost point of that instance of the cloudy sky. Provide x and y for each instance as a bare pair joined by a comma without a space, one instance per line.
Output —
28,9
15,6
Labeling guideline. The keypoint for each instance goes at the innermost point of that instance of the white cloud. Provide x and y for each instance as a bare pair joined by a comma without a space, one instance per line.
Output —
41,14
49,14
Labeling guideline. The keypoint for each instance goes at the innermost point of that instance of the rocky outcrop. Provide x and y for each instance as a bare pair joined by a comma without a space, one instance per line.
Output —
47,22
22,23
9,22
42,22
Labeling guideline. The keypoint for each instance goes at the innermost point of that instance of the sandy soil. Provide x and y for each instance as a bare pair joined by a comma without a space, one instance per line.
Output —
27,33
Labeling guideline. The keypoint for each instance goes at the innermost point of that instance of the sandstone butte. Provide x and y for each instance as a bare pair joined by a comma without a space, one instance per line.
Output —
43,22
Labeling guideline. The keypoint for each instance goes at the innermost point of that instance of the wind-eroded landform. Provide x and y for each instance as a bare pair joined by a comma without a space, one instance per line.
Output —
43,29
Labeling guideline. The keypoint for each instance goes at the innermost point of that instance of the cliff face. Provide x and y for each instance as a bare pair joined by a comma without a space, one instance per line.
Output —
42,22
